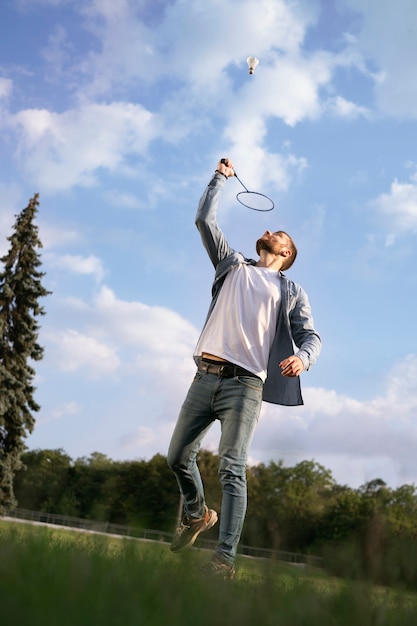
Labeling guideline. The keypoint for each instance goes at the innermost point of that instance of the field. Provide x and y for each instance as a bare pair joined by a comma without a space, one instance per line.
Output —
64,578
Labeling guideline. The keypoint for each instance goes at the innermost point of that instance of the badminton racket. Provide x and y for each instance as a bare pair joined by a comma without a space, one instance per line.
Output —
252,199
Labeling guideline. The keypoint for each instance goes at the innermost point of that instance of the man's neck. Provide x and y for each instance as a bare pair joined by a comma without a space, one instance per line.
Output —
270,261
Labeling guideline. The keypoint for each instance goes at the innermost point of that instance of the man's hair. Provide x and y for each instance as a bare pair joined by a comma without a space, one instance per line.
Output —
291,245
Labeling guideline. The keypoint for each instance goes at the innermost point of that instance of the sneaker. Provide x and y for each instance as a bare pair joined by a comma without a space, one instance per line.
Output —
219,569
190,528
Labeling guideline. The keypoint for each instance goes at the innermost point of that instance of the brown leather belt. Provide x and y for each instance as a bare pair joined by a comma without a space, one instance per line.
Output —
223,369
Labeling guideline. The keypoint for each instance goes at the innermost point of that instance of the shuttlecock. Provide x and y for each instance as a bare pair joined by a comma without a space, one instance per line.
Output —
252,63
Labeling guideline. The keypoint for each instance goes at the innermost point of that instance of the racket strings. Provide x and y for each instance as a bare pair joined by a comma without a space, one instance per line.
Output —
255,201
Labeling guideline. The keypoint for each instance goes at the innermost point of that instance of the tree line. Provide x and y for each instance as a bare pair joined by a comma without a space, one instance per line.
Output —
299,509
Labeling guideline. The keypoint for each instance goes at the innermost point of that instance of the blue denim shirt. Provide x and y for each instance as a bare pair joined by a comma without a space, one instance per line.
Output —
295,323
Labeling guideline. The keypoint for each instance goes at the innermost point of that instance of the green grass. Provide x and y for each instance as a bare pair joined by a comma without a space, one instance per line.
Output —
62,578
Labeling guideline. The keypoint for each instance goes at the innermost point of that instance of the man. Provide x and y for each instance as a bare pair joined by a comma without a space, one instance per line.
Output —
245,354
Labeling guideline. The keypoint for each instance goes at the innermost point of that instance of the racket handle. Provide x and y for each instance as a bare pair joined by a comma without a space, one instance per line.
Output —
224,161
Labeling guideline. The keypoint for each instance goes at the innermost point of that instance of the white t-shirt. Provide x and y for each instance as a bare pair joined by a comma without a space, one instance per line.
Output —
242,325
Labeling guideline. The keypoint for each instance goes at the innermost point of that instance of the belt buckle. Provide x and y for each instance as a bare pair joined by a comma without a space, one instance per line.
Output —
228,370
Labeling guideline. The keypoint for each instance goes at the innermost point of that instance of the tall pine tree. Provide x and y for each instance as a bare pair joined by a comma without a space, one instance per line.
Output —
20,291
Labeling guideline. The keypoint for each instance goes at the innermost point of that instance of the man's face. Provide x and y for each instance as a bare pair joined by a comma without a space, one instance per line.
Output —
274,243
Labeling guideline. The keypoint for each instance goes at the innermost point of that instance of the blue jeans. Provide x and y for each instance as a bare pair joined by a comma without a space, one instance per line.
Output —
236,403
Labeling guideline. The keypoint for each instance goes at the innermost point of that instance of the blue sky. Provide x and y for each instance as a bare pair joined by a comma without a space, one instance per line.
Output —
117,111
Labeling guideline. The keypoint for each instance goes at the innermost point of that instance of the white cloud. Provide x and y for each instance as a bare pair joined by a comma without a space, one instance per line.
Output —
6,86
138,361
282,27
354,434
260,166
75,350
59,412
71,147
80,264
388,39
126,49
131,50
157,330
346,109
288,88
114,333
399,206
63,150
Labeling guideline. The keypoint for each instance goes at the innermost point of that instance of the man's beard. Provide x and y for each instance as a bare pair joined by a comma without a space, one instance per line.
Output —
264,244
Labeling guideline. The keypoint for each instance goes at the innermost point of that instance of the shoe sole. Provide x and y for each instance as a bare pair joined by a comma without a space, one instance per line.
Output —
213,519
